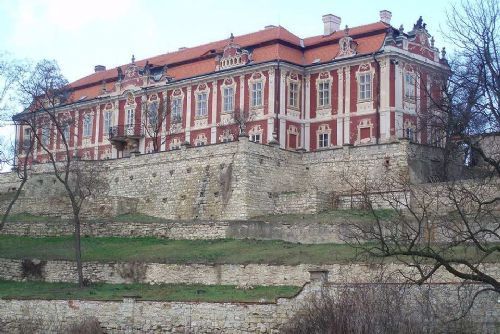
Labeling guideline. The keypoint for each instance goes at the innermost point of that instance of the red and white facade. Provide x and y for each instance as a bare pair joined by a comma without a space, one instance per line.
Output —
361,85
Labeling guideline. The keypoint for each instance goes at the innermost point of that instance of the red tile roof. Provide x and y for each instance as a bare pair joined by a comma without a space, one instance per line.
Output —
197,60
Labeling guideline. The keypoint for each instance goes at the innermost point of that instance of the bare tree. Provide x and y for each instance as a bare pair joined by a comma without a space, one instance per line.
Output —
47,97
451,226
156,113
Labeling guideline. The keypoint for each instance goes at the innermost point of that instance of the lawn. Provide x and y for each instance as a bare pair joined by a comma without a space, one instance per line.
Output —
161,292
108,249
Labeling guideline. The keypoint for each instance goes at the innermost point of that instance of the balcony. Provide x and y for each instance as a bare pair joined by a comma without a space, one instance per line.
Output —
125,132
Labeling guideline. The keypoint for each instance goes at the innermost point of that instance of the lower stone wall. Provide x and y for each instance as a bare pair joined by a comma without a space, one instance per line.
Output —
130,315
303,232
218,274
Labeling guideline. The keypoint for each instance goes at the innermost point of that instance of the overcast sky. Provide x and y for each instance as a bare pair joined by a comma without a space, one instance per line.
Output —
80,34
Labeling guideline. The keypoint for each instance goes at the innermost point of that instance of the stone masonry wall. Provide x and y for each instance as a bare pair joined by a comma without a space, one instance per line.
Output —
225,274
132,315
303,232
236,180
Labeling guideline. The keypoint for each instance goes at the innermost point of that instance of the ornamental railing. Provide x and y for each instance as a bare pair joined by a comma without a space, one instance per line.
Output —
125,131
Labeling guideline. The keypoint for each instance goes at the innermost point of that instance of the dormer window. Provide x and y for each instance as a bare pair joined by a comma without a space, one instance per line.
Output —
233,56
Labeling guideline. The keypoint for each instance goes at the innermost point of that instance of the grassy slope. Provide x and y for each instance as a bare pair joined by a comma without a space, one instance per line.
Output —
175,251
110,249
164,292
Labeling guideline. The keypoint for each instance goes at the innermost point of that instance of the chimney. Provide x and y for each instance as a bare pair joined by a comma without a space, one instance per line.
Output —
99,68
270,26
331,24
182,48
385,16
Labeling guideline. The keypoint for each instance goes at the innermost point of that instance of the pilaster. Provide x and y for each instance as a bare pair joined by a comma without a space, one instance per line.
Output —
188,115
307,113
213,129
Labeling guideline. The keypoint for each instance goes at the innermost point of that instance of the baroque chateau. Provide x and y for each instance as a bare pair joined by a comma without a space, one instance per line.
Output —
347,86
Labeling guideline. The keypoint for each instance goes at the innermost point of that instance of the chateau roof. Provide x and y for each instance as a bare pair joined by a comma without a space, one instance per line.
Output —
271,43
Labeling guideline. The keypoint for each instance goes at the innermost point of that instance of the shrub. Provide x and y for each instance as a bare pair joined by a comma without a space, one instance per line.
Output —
370,309
88,325
32,269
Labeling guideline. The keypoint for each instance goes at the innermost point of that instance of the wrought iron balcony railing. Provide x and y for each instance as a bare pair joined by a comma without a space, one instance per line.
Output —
124,131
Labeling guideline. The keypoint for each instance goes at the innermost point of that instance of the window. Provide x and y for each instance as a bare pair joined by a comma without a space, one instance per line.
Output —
324,94
228,99
65,132
202,105
130,118
365,86
176,110
108,119
409,86
153,114
255,137
293,94
45,135
257,94
323,140
27,138
87,126
410,134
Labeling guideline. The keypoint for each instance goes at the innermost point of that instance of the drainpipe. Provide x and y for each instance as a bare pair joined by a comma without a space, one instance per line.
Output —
377,99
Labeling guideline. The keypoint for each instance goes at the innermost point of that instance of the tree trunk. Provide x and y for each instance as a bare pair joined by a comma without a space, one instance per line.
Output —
78,249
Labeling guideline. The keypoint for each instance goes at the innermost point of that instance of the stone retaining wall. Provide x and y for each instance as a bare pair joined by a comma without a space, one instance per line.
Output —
130,315
231,181
303,232
225,274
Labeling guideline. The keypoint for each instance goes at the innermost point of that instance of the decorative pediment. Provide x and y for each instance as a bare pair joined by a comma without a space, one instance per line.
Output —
347,46
233,56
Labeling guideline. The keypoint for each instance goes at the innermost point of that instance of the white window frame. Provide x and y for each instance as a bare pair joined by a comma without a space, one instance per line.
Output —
324,88
202,104
409,83
228,99
153,116
87,126
257,91
176,116
26,138
323,140
293,94
66,132
108,121
45,135
365,86
130,117
255,137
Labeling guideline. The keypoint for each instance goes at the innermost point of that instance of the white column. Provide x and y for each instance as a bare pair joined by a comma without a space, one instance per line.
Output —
97,124
272,105
307,113
385,93
282,134
340,107
188,115
242,92
398,85
347,119
213,130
